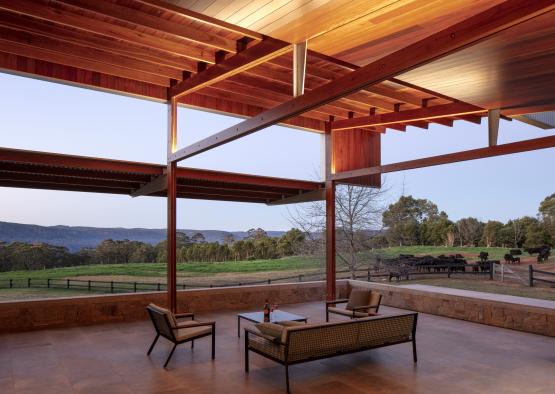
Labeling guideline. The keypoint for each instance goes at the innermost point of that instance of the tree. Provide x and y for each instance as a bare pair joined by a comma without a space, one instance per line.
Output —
491,236
404,218
435,230
198,238
470,231
256,234
358,211
229,239
547,215
291,242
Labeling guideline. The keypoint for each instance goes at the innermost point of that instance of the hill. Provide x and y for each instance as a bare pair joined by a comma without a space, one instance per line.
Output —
77,237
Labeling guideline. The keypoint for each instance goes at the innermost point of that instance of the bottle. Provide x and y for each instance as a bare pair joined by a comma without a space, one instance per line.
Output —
267,311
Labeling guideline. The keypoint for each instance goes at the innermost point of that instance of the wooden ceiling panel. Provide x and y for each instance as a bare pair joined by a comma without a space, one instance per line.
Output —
512,70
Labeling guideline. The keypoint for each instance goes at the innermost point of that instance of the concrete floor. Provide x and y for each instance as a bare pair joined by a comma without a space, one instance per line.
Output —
453,357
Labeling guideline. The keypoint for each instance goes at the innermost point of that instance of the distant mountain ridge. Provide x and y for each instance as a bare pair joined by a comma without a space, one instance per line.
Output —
77,237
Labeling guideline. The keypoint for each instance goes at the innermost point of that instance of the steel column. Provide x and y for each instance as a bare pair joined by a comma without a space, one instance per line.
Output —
330,214
172,207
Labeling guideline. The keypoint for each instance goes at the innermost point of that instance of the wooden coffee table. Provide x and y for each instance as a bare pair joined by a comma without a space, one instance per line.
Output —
275,317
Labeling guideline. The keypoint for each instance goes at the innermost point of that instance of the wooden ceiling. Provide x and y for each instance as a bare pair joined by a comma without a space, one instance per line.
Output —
142,47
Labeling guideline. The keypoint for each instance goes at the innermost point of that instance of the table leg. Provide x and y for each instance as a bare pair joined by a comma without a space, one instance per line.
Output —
239,326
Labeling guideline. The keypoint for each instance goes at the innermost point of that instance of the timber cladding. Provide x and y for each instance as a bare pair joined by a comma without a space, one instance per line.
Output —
88,310
533,319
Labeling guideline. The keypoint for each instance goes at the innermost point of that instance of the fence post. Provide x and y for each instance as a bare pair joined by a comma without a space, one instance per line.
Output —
449,271
67,283
111,286
491,267
300,278
368,274
269,281
134,287
89,285
11,283
48,283
158,286
29,282
183,287
531,275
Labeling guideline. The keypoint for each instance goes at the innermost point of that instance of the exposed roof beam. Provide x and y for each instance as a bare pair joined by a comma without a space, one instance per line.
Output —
256,54
299,68
499,150
408,116
139,18
449,40
315,195
493,126
158,184
81,22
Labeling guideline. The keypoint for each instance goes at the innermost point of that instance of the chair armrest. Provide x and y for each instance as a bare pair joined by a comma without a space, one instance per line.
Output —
186,314
338,301
196,324
358,308
250,331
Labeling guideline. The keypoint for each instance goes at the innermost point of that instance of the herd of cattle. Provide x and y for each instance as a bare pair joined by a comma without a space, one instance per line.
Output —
405,264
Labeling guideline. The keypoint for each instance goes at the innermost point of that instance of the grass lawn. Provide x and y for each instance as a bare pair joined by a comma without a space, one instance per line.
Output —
159,270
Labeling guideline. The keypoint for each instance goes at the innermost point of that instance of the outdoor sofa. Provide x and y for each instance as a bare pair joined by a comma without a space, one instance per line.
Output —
362,302
301,343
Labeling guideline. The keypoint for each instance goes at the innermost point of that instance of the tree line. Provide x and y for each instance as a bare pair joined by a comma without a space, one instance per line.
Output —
258,245
412,221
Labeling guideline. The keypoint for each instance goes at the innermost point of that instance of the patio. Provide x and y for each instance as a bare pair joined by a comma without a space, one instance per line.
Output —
454,356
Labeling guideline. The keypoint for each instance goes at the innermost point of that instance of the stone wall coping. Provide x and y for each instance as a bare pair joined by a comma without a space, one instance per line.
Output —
475,296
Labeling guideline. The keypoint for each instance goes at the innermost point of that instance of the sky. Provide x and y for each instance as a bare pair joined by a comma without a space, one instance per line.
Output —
51,117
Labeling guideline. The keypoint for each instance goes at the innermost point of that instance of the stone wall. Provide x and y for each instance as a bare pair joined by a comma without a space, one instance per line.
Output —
537,320
64,312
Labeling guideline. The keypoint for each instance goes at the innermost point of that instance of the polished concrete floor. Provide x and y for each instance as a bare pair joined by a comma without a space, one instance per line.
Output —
453,357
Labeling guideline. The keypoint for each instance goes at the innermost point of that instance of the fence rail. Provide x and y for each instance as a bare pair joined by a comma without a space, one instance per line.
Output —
532,278
133,287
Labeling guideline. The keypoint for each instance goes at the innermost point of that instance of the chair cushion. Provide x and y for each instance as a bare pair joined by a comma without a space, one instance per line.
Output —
346,312
167,312
270,329
291,323
359,297
191,332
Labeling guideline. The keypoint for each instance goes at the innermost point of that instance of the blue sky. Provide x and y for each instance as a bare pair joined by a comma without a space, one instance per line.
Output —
39,115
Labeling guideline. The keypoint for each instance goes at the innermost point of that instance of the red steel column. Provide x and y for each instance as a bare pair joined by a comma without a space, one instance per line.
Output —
172,208
330,214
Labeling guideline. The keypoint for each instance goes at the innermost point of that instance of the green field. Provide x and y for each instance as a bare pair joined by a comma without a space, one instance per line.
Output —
251,266
159,270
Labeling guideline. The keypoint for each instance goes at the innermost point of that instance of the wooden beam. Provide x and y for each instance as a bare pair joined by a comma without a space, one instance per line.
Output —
315,195
409,116
493,126
137,17
158,184
463,34
81,22
87,39
299,68
236,64
498,150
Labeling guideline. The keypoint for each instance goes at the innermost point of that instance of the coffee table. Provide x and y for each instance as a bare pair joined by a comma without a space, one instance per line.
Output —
275,317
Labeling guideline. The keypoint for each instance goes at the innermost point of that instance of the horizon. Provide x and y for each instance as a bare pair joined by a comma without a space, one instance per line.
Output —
87,122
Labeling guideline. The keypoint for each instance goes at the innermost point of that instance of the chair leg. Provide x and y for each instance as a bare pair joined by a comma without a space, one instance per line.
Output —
327,315
287,378
414,358
192,343
153,343
170,356
246,355
213,343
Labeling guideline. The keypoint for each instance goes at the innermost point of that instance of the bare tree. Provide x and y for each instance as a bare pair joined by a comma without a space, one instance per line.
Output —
358,211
